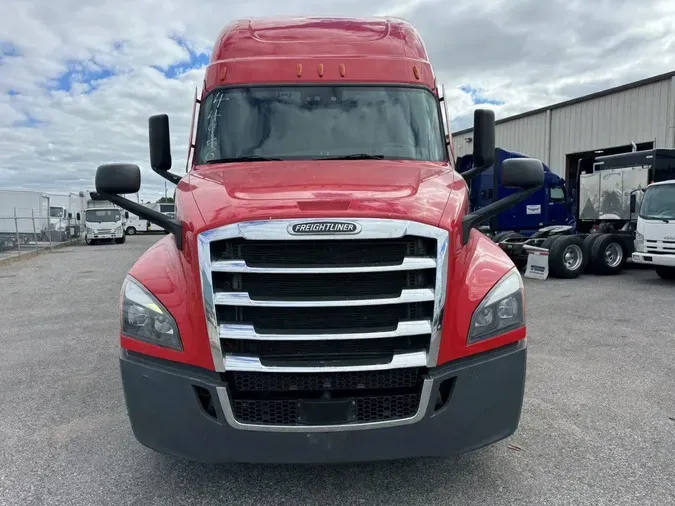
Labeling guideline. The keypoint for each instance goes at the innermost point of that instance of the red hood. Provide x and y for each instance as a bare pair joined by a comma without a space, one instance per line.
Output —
262,190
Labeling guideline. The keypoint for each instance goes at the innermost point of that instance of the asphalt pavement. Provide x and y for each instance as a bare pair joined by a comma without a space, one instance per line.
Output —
598,424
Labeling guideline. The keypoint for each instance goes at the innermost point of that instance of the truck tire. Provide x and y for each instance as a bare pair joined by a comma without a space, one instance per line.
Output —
607,255
665,272
121,240
566,256
89,241
589,241
131,231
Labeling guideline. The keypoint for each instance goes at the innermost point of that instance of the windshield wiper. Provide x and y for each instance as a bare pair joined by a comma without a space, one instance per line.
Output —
248,158
665,220
355,156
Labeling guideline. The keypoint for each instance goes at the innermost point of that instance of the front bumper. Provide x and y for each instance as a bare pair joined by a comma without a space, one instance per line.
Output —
653,259
166,415
105,236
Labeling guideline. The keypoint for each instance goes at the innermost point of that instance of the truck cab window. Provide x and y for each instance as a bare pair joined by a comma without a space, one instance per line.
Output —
320,122
102,216
556,194
658,203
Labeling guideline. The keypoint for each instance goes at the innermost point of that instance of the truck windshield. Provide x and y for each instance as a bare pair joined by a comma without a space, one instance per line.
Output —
56,212
102,215
320,122
658,203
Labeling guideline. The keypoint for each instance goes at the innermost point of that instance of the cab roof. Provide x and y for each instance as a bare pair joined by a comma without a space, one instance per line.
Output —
282,49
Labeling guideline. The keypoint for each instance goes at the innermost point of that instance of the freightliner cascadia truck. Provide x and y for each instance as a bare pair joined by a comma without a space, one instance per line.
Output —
323,294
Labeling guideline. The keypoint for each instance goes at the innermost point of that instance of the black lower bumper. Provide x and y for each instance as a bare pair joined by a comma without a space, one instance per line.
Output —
167,415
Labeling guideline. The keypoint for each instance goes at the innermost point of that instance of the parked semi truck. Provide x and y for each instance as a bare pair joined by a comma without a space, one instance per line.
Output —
604,234
655,231
324,294
549,206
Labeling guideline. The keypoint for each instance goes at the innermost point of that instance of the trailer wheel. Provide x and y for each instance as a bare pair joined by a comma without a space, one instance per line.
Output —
566,256
607,255
665,272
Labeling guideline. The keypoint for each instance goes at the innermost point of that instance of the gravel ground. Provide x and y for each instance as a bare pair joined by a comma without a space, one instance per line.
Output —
598,424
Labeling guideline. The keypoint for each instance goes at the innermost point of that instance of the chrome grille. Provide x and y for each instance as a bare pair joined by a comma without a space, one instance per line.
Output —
382,286
296,308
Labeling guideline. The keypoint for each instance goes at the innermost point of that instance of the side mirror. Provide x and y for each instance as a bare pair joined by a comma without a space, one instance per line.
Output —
78,217
118,178
483,143
522,173
114,179
483,137
126,215
160,142
70,215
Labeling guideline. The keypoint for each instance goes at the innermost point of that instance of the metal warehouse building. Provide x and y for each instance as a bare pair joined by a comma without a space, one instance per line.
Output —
607,122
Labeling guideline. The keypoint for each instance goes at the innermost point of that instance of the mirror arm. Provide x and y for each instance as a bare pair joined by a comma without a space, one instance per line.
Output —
471,220
171,224
172,178
473,172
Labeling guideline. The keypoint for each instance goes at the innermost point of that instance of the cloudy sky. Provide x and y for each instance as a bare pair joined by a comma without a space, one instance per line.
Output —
77,82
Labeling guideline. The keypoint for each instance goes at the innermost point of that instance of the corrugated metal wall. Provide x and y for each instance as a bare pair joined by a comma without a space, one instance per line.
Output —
641,114
526,135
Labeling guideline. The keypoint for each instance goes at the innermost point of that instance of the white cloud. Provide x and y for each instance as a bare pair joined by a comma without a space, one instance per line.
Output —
524,53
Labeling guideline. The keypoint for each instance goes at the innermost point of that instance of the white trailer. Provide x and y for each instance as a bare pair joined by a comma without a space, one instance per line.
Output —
24,217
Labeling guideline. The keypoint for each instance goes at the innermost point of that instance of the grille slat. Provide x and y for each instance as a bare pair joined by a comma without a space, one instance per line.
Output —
326,253
322,286
320,350
256,382
285,320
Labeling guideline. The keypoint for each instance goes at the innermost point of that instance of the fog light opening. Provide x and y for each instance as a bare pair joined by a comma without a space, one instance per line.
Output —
206,401
444,393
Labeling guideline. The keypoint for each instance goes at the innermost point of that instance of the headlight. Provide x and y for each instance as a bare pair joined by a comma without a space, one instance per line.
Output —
145,318
501,310
118,230
639,242
90,230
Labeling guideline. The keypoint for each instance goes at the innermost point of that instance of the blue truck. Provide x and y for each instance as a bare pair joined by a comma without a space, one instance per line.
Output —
548,206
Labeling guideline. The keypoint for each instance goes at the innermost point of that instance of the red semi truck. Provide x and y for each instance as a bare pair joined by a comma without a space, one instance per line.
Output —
323,294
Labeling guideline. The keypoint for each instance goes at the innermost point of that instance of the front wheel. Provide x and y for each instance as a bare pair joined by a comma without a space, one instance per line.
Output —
89,241
121,240
665,272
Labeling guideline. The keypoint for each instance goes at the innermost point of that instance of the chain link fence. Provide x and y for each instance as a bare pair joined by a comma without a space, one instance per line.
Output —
20,234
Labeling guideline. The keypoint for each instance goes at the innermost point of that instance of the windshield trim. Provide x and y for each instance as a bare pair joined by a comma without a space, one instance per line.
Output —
384,84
